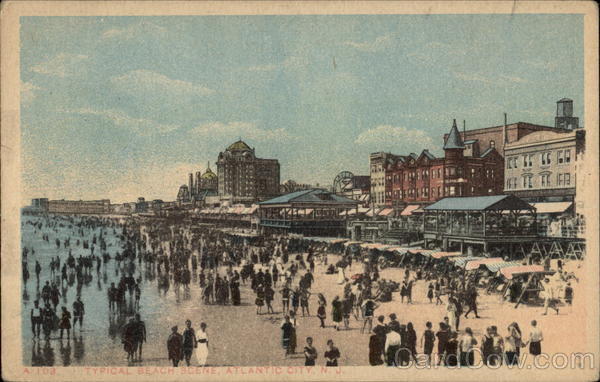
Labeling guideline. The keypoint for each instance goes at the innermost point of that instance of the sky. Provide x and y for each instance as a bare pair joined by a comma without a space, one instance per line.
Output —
122,107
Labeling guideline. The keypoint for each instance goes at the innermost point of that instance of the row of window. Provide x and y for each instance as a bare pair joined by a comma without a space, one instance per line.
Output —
562,156
545,181
449,171
423,192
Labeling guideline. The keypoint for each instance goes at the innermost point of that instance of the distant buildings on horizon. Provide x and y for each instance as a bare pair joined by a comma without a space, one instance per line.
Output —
535,162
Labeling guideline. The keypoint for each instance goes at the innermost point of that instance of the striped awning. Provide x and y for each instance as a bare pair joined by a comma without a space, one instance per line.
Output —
495,267
386,212
510,272
409,209
439,255
460,261
424,252
352,243
476,263
397,249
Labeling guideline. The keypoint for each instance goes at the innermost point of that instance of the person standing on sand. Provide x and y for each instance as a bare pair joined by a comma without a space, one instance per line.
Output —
202,350
535,339
175,346
310,353
332,354
322,310
140,334
336,312
189,341
369,307
287,332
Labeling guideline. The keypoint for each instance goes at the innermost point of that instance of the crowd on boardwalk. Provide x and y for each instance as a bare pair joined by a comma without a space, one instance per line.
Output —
280,272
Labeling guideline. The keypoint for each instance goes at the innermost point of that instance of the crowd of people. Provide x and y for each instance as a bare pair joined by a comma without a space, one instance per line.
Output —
279,272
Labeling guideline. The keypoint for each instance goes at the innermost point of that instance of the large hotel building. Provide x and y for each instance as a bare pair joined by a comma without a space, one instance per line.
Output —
244,178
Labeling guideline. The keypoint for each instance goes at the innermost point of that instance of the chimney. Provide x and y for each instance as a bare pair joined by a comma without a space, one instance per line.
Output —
504,130
191,183
464,130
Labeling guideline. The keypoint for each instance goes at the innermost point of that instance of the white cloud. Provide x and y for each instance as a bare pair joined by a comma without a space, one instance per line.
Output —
473,77
148,82
500,80
28,92
263,68
385,136
545,65
61,65
295,62
142,28
141,126
515,79
434,51
233,130
380,43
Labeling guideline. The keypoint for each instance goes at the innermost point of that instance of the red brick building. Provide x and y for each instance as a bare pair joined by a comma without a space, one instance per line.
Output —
464,170
498,136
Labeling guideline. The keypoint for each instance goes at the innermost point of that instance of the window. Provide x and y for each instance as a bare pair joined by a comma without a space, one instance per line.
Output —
527,181
439,172
452,190
545,158
545,180
527,160
560,157
492,144
567,156
509,163
560,179
567,179
472,172
472,190
439,191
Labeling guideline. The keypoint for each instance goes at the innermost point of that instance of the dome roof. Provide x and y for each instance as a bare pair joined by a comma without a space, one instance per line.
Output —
209,174
239,146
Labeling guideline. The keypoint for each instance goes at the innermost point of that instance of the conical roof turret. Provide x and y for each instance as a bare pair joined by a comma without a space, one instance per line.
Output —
454,140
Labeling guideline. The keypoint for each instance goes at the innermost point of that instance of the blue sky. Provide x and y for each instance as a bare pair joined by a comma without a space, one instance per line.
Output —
121,107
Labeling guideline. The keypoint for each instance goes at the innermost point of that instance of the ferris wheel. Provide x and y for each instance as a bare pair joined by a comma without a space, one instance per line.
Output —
343,182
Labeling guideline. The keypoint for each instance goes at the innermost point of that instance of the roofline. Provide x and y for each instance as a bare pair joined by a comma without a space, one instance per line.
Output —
516,144
514,124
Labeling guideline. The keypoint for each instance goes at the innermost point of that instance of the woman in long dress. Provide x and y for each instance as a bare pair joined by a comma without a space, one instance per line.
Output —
451,313
341,276
202,350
